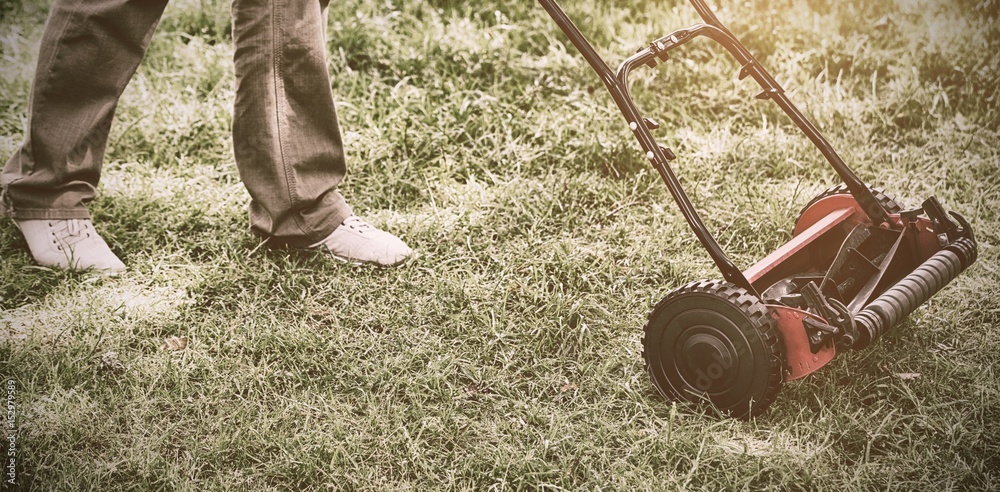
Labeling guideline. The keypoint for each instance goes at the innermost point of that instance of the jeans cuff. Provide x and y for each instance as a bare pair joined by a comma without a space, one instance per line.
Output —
44,213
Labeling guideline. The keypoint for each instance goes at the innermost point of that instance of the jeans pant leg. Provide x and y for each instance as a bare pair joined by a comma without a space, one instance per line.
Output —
286,136
89,51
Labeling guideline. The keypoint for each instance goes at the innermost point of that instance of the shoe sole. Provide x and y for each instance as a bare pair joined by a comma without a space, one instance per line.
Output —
353,262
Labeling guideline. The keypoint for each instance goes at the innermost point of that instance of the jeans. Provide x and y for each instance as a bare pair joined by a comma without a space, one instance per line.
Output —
286,137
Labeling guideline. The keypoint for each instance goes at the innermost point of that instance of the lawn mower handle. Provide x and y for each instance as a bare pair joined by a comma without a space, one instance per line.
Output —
707,15
617,85
773,91
659,156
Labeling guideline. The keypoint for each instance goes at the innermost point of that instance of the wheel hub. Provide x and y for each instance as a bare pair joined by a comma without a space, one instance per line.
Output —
706,359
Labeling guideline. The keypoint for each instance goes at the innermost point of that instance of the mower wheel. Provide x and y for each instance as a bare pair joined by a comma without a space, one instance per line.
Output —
883,197
714,341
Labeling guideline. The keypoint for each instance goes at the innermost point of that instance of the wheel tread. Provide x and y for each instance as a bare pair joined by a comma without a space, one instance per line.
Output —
884,198
760,322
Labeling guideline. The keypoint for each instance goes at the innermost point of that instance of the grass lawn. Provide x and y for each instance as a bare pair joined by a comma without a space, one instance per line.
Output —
507,357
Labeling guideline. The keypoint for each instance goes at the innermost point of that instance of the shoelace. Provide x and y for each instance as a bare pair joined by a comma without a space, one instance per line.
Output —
355,223
72,231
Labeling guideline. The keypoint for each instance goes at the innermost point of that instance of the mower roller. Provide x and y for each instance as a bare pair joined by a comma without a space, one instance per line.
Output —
858,262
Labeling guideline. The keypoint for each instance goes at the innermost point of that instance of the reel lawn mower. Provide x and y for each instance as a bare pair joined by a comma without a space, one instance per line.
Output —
858,262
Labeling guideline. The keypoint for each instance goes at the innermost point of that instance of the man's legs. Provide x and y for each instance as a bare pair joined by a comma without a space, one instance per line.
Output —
285,132
89,51
287,140
286,135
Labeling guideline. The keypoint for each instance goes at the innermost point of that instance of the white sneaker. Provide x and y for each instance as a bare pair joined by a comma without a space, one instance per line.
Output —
356,241
69,244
